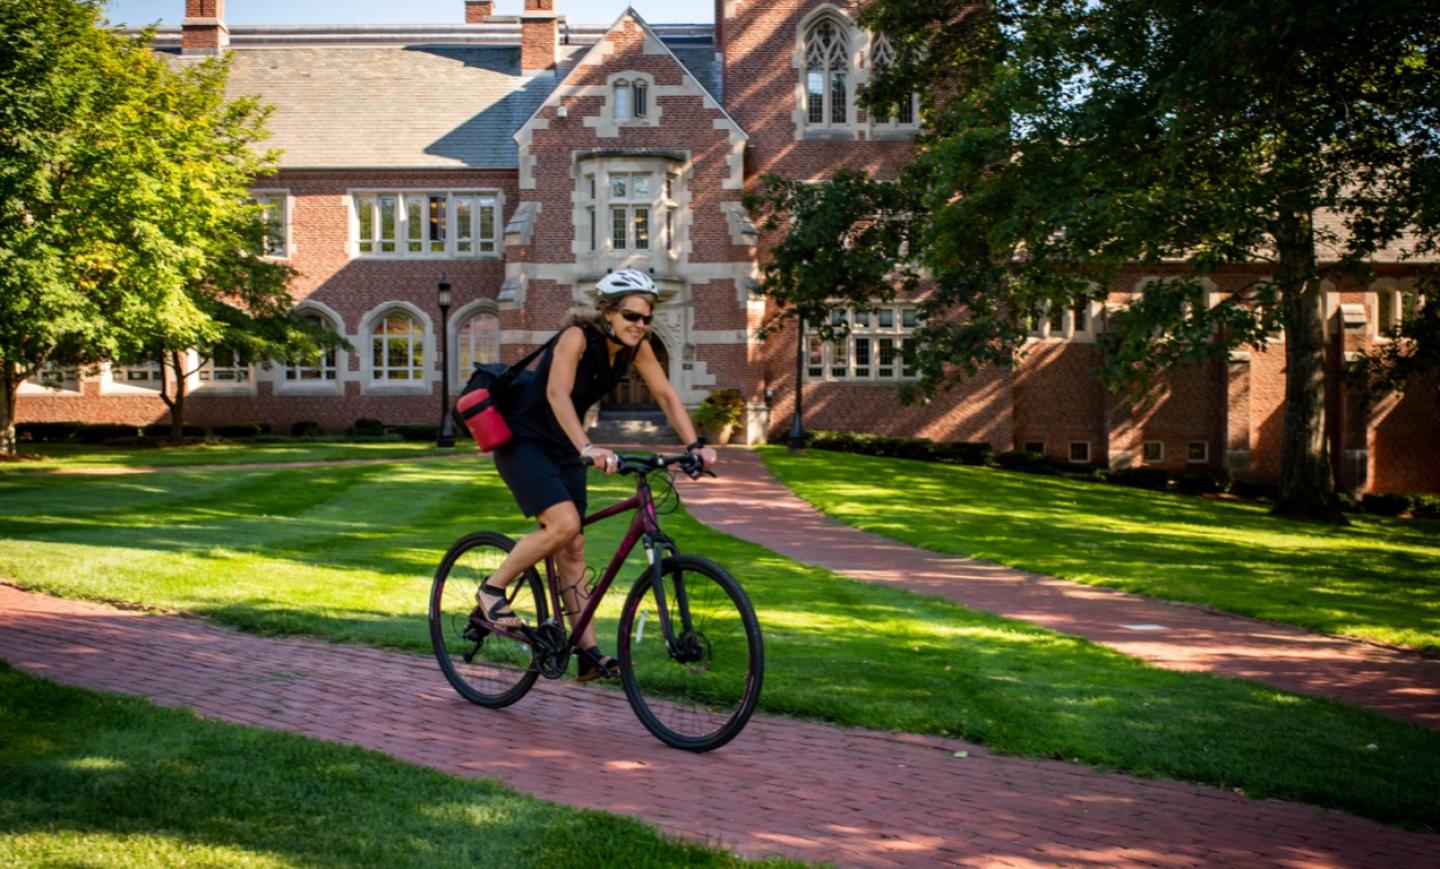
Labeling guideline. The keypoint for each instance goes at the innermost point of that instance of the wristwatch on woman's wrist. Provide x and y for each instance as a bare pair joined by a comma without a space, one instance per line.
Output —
699,444
585,450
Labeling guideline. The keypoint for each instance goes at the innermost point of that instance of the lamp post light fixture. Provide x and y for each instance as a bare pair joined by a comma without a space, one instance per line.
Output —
445,437
796,439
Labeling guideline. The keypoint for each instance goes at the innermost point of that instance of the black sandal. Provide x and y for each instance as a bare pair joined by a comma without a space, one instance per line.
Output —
595,664
498,613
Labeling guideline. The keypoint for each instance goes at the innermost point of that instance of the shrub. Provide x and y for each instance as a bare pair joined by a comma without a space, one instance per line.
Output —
417,432
305,428
1203,483
1254,489
720,408
99,433
1385,504
1142,478
242,429
367,426
1031,463
47,432
162,430
1425,506
1348,504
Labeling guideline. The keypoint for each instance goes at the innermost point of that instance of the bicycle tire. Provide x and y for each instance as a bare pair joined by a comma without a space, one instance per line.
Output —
701,703
499,670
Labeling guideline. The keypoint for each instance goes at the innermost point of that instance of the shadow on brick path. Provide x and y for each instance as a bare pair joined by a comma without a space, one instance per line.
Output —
747,502
850,797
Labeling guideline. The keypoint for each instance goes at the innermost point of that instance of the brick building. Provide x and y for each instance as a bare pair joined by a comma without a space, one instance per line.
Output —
523,156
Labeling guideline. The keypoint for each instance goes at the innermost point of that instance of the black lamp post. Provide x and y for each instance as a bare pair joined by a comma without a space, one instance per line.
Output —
446,436
796,440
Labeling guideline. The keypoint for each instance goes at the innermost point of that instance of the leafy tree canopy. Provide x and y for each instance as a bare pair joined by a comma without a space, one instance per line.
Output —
1066,140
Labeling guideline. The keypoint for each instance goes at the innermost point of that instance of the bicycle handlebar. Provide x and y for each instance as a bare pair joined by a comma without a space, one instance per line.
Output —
644,463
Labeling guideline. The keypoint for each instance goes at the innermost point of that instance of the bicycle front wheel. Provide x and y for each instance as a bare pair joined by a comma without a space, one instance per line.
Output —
697,690
485,668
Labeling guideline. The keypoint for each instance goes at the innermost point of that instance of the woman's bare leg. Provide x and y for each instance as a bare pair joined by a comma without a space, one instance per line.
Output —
559,525
570,562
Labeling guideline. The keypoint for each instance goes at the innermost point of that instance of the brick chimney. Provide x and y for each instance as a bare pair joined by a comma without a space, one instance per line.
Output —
476,11
203,31
539,36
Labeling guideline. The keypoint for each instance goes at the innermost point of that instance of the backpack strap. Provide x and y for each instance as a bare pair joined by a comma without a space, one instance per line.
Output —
515,369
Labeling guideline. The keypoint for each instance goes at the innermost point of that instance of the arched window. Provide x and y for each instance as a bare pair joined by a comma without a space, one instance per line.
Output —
882,55
398,348
827,74
478,341
320,368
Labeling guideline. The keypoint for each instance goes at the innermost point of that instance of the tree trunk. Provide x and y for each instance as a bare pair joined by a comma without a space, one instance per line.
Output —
177,404
9,385
1307,483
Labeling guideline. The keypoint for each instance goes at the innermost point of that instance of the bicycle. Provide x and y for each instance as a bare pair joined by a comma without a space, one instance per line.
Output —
693,685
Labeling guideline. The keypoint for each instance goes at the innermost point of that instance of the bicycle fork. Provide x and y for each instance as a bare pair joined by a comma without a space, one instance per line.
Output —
658,547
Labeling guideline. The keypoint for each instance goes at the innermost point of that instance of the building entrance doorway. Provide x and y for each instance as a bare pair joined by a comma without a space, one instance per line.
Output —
631,393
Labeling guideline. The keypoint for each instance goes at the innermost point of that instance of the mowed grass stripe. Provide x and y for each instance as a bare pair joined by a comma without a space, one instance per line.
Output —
838,651
1377,579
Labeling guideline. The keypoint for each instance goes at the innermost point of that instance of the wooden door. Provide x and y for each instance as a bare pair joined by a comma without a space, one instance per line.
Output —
631,393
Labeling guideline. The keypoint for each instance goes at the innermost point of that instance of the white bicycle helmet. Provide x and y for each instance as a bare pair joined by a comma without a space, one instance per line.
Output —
627,282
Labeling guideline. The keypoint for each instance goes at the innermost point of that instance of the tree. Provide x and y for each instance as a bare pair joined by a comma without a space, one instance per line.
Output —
1065,140
123,198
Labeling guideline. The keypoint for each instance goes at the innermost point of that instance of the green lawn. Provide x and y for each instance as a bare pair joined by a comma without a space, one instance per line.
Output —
347,552
1378,578
94,780
70,456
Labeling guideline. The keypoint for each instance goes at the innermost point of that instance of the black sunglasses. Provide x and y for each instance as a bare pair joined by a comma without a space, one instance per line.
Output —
637,317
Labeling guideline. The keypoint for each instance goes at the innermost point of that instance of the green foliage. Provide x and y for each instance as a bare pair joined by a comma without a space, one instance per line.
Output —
126,228
923,449
242,429
47,432
305,428
1141,477
1202,483
1385,504
417,432
842,244
1065,142
98,433
367,426
720,408
162,429
1411,354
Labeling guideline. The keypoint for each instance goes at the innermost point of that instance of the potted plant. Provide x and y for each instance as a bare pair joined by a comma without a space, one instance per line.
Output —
719,414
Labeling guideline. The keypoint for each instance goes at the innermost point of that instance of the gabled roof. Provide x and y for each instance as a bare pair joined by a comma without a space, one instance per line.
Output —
584,60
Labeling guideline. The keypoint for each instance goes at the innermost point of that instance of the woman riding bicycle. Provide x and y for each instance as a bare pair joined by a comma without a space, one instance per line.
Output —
543,464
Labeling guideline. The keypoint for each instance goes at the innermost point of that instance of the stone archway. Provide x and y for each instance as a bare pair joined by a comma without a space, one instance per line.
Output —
631,393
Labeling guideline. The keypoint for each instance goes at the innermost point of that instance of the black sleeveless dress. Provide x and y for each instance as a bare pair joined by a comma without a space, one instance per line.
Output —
539,464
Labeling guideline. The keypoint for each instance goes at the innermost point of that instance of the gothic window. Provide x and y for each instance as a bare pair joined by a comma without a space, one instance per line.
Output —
320,368
882,55
479,341
827,74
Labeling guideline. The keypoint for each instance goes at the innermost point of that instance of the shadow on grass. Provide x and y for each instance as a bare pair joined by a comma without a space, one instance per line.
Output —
138,784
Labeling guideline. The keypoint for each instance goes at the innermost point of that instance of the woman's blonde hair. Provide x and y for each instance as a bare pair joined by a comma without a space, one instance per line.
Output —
594,315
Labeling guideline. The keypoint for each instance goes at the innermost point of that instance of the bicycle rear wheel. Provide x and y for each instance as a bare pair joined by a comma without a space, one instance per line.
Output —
485,668
698,692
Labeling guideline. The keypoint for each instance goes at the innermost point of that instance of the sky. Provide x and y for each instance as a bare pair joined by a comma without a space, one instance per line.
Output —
170,12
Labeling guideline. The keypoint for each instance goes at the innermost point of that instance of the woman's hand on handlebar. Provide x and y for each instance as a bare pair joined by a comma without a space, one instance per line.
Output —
707,456
604,460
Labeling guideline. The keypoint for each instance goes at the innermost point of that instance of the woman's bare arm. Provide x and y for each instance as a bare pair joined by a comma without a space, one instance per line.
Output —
568,351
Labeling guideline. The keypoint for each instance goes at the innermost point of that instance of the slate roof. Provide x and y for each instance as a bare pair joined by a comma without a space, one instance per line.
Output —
411,106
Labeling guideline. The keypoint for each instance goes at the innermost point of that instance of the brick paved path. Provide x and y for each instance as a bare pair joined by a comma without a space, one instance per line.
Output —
852,797
747,502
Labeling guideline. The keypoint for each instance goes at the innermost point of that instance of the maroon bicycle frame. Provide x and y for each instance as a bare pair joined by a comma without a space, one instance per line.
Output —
645,523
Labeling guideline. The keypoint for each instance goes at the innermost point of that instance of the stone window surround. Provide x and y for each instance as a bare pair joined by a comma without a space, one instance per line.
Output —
630,78
282,194
69,386
1204,450
202,376
456,325
352,245
1084,460
665,255
1159,452
1395,288
333,386
861,51
369,322
1044,331
874,331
